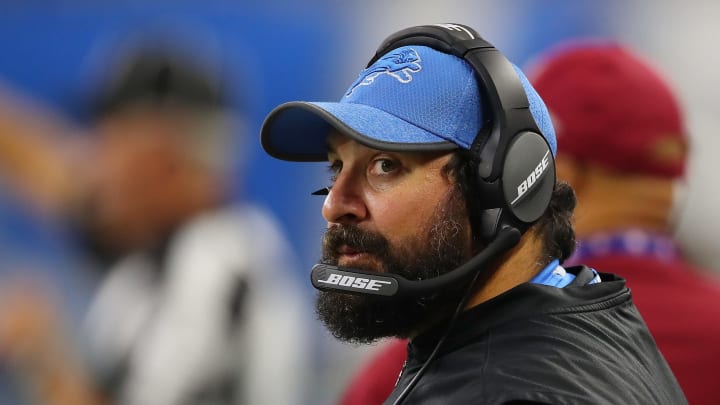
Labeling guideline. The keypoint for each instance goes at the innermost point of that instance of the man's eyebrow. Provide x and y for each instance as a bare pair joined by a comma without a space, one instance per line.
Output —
329,148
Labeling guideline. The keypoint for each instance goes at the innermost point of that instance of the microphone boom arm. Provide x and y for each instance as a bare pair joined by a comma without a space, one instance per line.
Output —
327,277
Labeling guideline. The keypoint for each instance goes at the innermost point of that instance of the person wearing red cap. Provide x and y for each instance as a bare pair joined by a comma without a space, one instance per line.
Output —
624,151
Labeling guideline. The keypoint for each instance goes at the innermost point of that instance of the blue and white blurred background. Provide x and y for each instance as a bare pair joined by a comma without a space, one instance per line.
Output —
281,50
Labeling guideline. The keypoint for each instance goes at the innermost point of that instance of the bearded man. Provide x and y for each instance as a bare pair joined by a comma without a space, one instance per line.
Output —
446,226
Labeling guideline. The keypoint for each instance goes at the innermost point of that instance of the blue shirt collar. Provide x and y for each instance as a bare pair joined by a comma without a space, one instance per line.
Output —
555,275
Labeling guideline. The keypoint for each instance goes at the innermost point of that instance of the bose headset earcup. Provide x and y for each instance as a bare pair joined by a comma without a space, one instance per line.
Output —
516,171
528,176
528,180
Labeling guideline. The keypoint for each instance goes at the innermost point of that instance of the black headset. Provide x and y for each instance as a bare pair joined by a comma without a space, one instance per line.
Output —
516,170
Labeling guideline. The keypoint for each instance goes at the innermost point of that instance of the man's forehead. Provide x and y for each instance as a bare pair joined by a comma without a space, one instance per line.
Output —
341,146
332,140
335,140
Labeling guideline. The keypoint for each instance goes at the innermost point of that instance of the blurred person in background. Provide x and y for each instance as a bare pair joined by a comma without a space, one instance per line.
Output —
374,380
197,303
624,150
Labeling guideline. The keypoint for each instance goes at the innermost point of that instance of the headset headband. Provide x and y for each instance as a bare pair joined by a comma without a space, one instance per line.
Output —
499,84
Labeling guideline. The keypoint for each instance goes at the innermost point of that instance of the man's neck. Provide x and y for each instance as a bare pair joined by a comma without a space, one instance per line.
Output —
518,266
608,203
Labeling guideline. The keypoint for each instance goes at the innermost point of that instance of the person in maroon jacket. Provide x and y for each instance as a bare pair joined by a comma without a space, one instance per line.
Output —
624,151
373,382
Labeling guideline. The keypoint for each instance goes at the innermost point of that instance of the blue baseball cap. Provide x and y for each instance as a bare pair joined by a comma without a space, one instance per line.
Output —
414,98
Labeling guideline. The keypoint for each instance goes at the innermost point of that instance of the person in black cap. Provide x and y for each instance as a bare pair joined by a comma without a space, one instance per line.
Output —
200,277
196,303
447,226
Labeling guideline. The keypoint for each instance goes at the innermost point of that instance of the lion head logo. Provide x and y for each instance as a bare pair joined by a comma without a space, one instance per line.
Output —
399,64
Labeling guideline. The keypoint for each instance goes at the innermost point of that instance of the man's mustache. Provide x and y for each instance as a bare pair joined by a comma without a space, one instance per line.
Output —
354,238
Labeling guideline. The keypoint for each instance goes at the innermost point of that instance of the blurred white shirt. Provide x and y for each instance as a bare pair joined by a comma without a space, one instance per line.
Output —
176,331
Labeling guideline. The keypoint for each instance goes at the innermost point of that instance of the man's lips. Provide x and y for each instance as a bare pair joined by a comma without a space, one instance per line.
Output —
347,250
348,256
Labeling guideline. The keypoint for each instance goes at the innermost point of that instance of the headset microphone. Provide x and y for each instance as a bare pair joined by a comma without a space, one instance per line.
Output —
333,278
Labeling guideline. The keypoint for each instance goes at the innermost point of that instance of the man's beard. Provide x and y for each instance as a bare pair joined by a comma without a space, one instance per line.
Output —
440,247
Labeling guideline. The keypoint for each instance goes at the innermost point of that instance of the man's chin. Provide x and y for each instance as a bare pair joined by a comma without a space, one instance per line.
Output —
362,319
353,318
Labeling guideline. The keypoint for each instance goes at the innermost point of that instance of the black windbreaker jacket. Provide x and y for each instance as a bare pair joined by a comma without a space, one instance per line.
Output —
582,344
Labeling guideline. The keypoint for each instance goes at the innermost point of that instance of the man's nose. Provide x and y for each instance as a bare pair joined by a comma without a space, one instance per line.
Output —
344,203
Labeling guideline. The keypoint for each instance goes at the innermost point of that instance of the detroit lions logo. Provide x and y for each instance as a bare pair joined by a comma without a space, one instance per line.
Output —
400,65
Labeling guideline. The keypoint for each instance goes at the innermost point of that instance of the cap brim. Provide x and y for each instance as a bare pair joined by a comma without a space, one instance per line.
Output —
297,131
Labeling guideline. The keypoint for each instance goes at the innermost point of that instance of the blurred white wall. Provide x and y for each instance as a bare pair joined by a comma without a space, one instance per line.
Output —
681,37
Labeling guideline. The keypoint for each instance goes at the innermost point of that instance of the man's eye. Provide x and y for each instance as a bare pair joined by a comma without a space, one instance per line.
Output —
384,166
334,169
